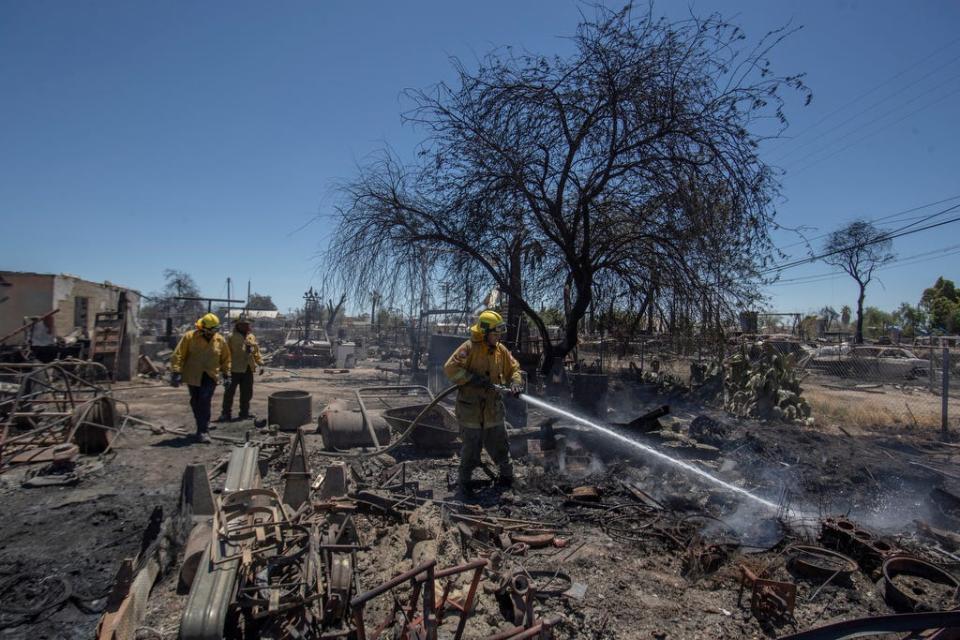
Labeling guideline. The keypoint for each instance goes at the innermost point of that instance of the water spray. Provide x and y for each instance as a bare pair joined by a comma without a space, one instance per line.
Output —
649,450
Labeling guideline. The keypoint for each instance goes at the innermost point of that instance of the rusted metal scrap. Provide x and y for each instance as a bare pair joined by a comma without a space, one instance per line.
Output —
427,623
944,624
465,607
913,600
770,600
818,563
540,628
57,403
849,538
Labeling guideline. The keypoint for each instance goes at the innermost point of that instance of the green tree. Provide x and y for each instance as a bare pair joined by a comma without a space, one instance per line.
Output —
845,314
911,319
942,304
942,288
942,315
877,322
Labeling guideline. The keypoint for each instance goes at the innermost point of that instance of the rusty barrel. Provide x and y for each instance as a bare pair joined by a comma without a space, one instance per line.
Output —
342,428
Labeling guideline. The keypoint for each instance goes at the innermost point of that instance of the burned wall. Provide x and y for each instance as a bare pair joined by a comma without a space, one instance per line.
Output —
28,294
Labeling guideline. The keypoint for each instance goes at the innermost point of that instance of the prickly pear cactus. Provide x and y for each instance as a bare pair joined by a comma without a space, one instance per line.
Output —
762,383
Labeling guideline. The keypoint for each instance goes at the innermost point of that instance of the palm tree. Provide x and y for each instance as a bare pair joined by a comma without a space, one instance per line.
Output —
845,314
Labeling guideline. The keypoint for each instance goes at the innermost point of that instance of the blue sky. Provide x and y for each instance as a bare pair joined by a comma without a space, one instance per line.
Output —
136,136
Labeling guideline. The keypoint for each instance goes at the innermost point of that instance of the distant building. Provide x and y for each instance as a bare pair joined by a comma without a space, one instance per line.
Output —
25,296
254,314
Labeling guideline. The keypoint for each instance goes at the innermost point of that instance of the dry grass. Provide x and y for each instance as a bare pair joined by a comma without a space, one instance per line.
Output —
891,408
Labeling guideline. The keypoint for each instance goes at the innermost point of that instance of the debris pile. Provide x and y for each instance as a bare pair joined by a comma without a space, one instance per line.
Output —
354,554
52,412
304,535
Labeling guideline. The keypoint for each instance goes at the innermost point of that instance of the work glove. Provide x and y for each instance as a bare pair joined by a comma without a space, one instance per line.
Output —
516,389
175,379
226,381
477,380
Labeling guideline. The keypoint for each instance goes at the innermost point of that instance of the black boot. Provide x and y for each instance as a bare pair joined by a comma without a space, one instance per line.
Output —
225,416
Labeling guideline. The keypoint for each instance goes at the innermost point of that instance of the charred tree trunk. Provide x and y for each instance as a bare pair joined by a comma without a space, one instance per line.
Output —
514,338
334,311
858,339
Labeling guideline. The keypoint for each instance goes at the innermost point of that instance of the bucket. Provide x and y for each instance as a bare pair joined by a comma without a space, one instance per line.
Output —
289,409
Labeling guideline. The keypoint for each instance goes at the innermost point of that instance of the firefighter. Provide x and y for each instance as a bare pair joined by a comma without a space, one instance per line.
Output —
476,366
245,356
196,360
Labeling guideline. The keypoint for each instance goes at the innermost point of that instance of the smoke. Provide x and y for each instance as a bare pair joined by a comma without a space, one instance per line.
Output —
887,504
582,463
645,450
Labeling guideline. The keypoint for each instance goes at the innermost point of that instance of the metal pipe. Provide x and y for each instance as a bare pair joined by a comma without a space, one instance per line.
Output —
468,603
390,584
460,568
520,633
30,324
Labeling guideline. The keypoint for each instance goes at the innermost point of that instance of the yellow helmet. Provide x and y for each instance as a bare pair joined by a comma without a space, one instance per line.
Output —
489,321
208,321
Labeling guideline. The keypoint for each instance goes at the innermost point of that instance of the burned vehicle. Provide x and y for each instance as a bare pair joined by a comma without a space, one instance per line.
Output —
872,362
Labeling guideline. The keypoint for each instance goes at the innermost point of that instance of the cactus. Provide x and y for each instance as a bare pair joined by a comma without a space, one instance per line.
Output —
761,383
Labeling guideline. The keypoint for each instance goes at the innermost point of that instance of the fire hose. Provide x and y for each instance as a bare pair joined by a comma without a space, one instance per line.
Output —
399,440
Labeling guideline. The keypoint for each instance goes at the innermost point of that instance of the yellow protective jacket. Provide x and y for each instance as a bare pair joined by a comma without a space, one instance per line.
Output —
244,352
476,406
195,355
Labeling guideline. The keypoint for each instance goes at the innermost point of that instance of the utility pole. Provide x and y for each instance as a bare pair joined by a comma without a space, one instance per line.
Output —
945,396
228,297
374,299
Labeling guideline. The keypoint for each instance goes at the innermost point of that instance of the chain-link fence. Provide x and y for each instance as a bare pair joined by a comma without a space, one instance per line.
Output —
899,386
886,385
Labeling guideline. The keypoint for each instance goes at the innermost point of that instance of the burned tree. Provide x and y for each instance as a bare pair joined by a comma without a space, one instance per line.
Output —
632,161
170,302
859,249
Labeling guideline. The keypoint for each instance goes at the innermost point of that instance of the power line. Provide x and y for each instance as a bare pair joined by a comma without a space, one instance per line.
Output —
919,258
832,276
881,238
914,259
872,133
874,220
874,89
853,246
899,92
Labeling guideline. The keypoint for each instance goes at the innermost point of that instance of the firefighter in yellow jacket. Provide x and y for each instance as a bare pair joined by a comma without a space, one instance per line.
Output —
196,360
477,365
245,356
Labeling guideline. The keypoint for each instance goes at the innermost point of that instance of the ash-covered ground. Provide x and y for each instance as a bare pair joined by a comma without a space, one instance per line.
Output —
638,548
